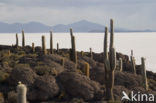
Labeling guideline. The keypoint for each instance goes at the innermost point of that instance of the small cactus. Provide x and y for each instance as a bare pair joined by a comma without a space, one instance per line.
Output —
91,53
86,69
23,39
33,47
120,65
62,62
44,46
133,63
57,47
22,92
16,40
51,43
143,73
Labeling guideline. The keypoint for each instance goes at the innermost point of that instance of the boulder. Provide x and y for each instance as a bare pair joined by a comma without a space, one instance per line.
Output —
79,86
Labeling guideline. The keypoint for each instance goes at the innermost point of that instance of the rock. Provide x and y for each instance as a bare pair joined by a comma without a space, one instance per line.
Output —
90,61
23,74
1,98
97,73
79,86
127,80
46,88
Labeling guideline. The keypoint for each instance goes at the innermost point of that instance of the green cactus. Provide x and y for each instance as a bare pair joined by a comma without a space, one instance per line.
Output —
86,69
33,47
23,39
73,53
91,53
120,64
21,93
57,47
16,40
51,43
133,63
143,73
109,63
44,50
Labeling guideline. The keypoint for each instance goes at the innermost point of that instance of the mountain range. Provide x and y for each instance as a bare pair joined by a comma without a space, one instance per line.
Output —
80,26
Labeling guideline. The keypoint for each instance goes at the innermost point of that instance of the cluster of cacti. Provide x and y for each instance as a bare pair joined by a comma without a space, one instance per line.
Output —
57,47
33,47
23,39
120,64
133,62
44,50
22,93
91,53
86,69
16,40
143,73
109,62
51,43
73,53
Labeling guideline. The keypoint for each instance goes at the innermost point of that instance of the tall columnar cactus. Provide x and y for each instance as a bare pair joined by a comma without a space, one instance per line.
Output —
91,53
44,50
86,69
120,64
143,73
33,47
133,63
51,43
22,92
16,39
57,47
73,53
109,63
23,39
82,53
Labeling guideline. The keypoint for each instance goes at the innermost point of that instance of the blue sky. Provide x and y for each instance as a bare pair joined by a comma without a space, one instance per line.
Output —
131,14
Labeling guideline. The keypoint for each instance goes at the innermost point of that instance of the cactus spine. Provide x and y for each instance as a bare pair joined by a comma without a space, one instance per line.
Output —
16,40
91,53
33,47
73,53
120,64
143,73
57,47
44,45
109,63
23,39
22,92
51,43
133,62
87,69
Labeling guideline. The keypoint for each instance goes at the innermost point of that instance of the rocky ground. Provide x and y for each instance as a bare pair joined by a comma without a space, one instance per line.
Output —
48,81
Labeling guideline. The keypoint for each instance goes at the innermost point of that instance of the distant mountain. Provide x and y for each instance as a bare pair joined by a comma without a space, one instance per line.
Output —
80,26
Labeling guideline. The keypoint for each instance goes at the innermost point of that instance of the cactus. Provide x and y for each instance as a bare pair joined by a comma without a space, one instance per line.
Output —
109,63
16,40
82,53
57,47
62,62
86,69
133,63
23,39
44,46
73,53
143,73
33,47
91,53
120,65
22,92
51,43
